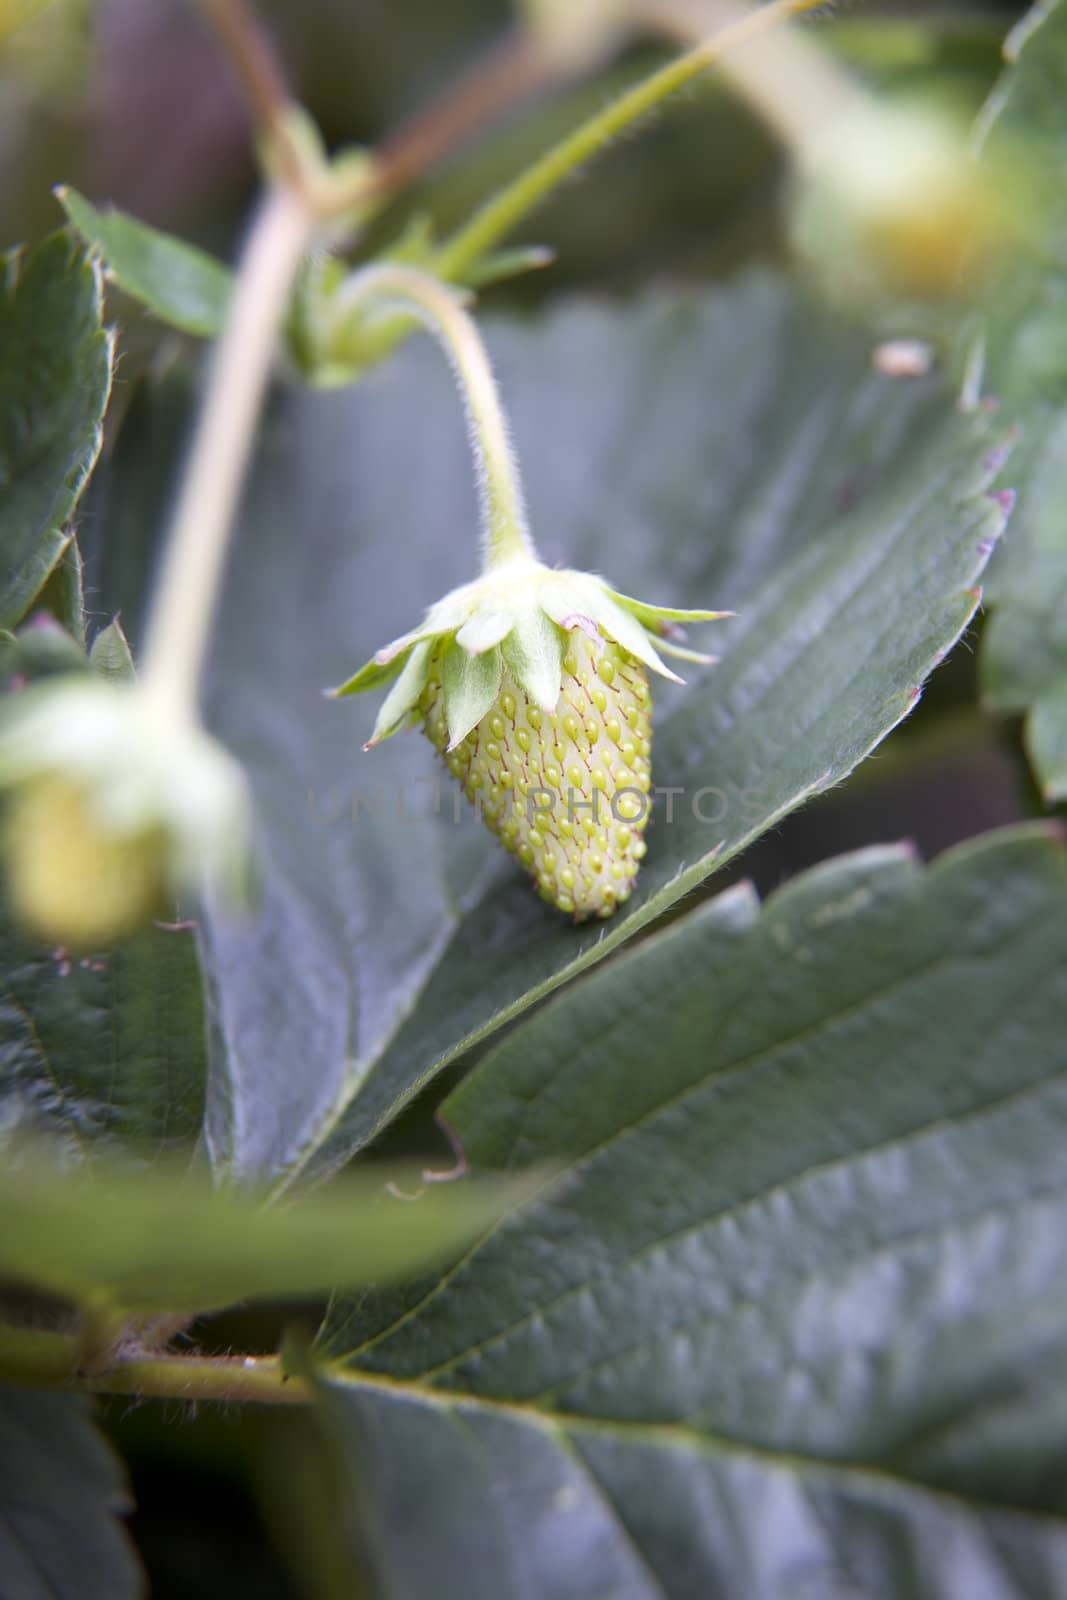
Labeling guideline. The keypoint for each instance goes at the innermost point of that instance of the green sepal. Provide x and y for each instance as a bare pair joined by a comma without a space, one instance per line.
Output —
416,242
627,631
318,278
404,693
372,674
533,652
441,620
681,652
577,596
485,629
521,614
651,616
503,265
471,685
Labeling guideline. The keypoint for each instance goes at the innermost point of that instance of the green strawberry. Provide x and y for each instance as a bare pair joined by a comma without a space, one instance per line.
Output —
113,805
566,790
532,683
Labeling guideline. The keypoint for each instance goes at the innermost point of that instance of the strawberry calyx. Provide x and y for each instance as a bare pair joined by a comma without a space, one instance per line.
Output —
516,620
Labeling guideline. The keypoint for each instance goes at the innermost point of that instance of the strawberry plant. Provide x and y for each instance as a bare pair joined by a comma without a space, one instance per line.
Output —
612,1145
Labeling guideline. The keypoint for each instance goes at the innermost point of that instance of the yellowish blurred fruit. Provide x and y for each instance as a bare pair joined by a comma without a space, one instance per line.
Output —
72,880
891,199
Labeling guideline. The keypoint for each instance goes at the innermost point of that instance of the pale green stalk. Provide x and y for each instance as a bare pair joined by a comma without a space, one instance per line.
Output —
507,208
42,1359
796,87
194,559
505,528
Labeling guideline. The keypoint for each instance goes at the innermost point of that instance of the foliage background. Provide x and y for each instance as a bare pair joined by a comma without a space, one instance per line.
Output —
128,101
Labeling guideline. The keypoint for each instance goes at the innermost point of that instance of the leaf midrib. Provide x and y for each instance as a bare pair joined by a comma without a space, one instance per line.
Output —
560,1426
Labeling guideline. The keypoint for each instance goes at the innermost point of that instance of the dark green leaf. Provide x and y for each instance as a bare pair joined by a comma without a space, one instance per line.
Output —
161,1238
104,1047
129,498
63,596
61,1493
178,283
1024,661
55,376
301,1479
468,1501
793,1321
728,450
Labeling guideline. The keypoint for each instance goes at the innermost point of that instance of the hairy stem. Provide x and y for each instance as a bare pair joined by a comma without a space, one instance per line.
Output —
507,208
505,530
797,88
54,1361
193,564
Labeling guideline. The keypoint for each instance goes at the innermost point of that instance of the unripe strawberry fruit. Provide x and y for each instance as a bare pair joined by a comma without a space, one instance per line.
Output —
567,791
532,685
113,806
71,881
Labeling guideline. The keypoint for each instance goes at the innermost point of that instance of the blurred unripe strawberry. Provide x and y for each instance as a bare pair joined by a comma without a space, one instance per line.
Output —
113,807
71,882
533,685
891,200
